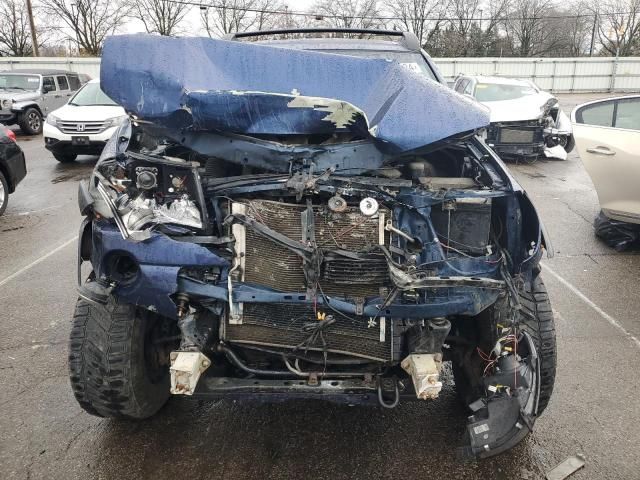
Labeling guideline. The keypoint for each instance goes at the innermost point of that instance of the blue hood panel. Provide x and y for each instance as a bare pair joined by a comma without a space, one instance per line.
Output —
224,86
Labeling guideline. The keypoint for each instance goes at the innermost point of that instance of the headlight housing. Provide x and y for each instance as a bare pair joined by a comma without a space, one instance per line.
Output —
52,120
6,104
115,121
140,192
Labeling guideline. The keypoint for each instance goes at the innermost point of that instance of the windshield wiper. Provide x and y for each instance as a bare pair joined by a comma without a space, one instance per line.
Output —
74,104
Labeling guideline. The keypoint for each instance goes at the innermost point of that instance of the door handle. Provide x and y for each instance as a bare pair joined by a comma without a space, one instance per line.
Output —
601,151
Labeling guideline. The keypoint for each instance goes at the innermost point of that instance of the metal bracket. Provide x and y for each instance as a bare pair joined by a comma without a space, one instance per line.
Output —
313,379
359,301
424,370
186,368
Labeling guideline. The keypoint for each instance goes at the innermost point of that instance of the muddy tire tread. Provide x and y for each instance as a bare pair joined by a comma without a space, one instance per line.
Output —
538,321
102,352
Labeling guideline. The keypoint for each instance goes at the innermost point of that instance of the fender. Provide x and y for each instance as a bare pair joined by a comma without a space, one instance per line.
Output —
19,107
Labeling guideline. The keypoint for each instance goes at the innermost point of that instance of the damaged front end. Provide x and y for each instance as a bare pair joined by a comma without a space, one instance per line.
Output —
547,135
332,259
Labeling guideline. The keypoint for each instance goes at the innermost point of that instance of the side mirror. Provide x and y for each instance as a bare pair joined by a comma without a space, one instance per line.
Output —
47,88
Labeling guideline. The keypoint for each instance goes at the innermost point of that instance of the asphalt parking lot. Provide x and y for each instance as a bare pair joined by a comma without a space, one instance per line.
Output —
44,434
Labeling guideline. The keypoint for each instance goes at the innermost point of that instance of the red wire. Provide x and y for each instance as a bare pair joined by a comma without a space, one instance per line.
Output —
515,372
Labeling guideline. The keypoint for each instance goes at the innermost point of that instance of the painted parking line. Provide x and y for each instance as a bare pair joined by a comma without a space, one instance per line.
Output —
593,305
37,261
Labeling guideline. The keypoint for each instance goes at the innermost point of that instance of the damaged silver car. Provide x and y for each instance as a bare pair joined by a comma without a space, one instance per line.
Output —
280,223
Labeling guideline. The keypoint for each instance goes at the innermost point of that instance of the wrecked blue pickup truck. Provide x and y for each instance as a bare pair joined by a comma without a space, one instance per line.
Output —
281,222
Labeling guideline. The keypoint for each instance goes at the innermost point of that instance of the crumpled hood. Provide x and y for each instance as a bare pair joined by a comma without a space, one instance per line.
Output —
520,109
205,84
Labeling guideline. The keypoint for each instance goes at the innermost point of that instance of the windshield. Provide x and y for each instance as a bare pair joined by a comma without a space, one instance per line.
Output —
91,94
494,92
412,60
19,82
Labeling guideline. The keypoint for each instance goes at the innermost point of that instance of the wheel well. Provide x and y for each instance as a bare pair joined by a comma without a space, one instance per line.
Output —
31,105
7,177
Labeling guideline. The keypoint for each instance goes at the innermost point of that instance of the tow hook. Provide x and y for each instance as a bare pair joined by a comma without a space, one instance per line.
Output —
388,385
186,368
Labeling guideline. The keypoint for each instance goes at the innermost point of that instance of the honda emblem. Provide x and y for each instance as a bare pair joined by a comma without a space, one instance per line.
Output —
80,127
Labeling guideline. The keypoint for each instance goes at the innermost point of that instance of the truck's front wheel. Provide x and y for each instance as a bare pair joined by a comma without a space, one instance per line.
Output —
119,359
30,121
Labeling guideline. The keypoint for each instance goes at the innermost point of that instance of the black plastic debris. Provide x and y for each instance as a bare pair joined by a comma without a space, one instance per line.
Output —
616,234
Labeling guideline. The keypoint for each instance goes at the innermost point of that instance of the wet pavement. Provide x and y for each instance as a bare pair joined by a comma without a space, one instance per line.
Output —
595,408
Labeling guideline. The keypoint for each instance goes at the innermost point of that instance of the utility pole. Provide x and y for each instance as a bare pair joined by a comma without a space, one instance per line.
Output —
32,25
593,33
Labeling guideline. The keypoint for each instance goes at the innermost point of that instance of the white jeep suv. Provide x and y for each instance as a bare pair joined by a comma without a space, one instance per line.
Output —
83,125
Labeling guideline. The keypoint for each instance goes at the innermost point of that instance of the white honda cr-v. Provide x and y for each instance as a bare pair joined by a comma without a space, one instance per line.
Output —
83,125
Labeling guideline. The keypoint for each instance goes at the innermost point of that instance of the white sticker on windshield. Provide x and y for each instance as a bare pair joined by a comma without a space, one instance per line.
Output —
33,79
414,67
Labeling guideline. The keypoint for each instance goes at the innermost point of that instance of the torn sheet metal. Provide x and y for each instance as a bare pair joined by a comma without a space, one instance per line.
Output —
205,84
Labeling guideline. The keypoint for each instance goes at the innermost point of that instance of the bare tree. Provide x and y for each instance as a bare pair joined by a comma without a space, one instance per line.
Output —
532,29
577,28
463,15
89,20
160,16
15,34
349,13
492,15
268,15
618,26
475,24
227,16
422,17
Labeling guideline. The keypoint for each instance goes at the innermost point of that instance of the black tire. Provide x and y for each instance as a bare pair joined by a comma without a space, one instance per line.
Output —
537,320
65,157
30,121
4,193
571,143
117,367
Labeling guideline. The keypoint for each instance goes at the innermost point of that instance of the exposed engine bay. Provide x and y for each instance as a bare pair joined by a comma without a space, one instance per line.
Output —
343,264
323,275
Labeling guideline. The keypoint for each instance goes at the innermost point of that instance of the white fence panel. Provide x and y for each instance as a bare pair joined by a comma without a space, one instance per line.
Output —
582,74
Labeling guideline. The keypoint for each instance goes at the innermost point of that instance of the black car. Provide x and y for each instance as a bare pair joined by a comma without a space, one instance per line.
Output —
276,223
13,167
